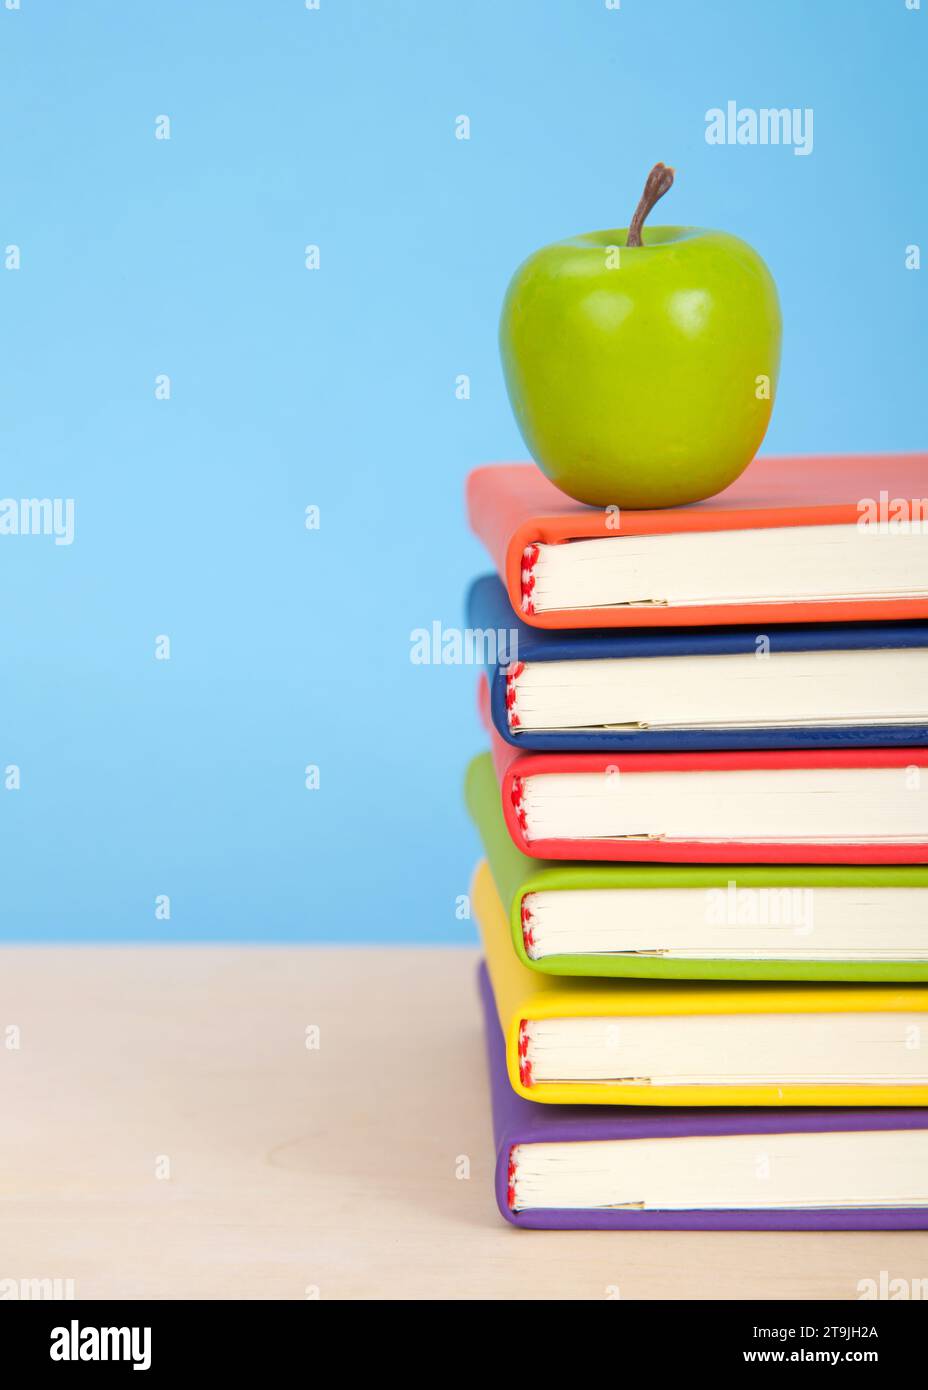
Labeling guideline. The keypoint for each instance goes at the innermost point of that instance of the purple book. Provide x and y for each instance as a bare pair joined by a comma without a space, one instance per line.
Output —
520,1176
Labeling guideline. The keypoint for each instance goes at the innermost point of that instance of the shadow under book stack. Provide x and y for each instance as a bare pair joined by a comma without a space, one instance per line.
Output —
704,897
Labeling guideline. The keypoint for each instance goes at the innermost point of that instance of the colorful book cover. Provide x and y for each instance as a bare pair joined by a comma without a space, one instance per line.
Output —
514,510
515,772
511,643
894,1020
519,879
518,1122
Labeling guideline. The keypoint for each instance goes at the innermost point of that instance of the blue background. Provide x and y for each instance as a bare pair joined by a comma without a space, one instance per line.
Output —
336,388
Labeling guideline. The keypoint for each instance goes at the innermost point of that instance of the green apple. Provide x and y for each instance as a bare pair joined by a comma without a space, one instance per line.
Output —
642,367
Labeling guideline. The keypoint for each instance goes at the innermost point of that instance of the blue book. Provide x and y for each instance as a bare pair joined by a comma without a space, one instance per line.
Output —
840,685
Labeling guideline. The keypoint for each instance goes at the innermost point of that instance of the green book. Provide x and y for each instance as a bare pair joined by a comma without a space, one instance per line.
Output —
704,921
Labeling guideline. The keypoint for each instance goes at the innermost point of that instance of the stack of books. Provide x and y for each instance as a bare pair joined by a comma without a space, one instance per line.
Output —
704,898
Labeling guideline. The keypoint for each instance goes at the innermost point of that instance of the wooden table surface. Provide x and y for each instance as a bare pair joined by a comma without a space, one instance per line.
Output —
167,1133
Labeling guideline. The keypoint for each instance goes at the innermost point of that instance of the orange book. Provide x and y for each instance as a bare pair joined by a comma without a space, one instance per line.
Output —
793,540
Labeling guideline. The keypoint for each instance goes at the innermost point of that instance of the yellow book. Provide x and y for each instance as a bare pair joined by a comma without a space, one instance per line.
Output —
642,1042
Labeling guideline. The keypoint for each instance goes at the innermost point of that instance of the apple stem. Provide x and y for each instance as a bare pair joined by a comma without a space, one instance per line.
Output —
656,185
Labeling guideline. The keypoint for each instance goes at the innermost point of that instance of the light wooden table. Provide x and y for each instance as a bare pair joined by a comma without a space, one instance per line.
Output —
291,1169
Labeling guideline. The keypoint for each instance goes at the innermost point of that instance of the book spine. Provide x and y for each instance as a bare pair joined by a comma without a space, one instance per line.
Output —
525,1066
511,1179
528,934
512,675
529,561
515,796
